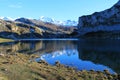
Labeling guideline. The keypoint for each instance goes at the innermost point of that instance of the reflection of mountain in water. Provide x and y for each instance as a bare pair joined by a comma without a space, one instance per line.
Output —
105,52
30,47
20,47
101,52
68,52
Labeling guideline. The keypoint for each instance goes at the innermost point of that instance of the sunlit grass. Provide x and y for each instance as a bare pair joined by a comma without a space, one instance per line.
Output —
20,67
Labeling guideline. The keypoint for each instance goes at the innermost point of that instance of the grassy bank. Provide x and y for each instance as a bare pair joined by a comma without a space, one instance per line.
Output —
23,67
5,40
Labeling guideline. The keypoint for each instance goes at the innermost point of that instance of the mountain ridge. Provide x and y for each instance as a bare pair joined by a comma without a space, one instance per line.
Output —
65,23
106,17
24,28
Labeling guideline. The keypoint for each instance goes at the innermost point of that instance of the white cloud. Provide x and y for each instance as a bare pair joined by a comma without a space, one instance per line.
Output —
18,5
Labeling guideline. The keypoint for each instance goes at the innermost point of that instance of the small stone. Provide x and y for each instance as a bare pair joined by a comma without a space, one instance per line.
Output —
105,77
83,71
115,75
92,70
57,63
2,54
98,71
5,62
3,69
118,76
43,62
110,77
107,72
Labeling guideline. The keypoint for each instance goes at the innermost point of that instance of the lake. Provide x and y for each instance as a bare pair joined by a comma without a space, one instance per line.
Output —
81,54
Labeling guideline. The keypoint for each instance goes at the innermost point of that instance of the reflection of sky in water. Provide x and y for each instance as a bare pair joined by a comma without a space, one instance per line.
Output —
71,58
82,54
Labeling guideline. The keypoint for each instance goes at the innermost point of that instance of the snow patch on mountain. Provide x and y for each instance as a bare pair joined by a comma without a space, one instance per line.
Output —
44,19
57,22
7,18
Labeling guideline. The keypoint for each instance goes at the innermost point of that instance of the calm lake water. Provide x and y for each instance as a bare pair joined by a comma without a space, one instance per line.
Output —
81,54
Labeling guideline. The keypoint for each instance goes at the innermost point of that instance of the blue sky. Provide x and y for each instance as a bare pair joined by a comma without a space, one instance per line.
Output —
57,9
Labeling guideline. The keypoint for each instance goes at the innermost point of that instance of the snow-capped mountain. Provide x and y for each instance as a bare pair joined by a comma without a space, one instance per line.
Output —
7,18
44,19
57,22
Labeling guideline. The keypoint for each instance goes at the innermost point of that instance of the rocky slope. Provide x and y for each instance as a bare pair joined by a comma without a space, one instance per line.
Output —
31,28
108,20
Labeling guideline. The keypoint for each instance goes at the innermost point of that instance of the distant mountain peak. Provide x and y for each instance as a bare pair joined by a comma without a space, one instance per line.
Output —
58,22
7,18
43,19
46,19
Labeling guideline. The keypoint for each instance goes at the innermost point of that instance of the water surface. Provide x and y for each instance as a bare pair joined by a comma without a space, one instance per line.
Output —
81,54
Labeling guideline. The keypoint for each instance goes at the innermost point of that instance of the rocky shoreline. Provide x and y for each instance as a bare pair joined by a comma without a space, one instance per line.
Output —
24,67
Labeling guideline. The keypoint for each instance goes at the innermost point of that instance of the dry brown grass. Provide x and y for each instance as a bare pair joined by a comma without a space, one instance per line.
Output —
21,67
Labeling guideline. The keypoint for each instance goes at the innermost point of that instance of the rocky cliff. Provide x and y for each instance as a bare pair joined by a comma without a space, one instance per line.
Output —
107,20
